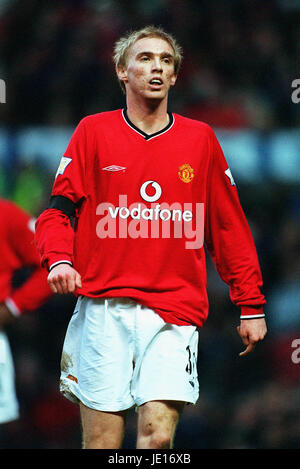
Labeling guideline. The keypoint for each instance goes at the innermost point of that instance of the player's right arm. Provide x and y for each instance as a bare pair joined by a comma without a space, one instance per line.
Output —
54,234
54,237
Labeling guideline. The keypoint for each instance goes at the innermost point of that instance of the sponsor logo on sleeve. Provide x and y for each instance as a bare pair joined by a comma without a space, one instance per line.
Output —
31,224
229,175
64,162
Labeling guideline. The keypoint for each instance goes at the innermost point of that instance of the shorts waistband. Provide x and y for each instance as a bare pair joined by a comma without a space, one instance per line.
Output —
123,302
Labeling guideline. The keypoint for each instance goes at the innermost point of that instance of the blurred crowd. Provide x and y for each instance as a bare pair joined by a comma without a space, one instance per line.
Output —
240,58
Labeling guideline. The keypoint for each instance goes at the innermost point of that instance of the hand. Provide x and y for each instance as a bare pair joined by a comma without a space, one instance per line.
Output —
6,316
64,279
251,331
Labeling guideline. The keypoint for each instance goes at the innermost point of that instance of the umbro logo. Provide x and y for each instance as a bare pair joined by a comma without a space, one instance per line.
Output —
114,167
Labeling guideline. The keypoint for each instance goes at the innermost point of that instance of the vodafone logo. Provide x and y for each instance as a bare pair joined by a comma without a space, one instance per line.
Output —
155,196
160,220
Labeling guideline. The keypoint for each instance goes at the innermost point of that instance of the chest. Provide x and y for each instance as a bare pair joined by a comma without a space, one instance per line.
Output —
167,168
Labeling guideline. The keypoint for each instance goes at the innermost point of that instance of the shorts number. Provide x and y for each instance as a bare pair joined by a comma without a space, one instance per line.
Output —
190,364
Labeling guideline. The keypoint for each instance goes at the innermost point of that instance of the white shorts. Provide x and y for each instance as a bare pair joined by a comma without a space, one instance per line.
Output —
118,354
9,407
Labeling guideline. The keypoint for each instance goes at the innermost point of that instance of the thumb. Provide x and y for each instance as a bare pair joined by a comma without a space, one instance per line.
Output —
250,348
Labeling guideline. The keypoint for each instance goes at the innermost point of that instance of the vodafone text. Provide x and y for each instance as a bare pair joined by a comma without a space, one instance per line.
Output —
157,221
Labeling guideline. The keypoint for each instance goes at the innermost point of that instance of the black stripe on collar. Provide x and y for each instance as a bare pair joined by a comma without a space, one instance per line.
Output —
141,132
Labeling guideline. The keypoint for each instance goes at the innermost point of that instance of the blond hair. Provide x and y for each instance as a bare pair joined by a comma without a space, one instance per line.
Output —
123,45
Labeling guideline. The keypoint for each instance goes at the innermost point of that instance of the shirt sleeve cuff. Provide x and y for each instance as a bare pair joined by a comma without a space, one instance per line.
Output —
252,312
63,261
13,308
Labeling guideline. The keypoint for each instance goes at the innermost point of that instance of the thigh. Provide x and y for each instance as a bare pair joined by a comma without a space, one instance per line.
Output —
157,422
97,358
167,366
102,430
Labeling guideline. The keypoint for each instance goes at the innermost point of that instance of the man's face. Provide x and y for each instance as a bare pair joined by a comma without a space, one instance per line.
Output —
150,68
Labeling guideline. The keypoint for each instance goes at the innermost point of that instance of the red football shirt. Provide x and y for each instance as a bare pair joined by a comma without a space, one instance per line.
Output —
145,204
18,250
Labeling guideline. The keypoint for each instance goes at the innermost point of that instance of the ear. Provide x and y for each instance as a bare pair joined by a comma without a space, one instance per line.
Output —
122,73
173,80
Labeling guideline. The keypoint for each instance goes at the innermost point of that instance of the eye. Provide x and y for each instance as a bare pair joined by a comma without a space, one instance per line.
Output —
144,58
168,60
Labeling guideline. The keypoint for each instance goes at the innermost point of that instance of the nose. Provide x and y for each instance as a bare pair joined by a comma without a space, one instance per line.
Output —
156,66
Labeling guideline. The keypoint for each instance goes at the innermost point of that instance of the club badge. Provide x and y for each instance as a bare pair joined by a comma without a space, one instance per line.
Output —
186,173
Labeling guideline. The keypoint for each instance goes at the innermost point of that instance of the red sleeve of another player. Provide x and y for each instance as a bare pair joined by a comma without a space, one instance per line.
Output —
229,240
35,290
54,234
33,293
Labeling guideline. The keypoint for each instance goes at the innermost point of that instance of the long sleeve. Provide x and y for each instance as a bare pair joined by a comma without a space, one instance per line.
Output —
54,233
32,294
54,237
21,252
229,240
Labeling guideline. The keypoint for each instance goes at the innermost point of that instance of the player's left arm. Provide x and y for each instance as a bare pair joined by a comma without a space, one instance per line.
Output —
251,332
230,243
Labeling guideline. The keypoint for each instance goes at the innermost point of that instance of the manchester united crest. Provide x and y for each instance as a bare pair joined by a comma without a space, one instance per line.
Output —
186,172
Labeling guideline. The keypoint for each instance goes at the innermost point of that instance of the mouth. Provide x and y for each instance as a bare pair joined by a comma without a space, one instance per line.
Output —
156,83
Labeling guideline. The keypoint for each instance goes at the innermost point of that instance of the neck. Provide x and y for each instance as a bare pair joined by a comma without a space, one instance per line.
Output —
150,117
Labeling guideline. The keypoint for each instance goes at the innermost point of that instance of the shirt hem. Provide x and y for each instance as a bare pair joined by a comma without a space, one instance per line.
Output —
167,316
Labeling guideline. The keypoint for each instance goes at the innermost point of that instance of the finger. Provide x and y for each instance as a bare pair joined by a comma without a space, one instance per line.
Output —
74,282
78,282
244,337
71,283
249,349
59,287
56,282
62,279
52,286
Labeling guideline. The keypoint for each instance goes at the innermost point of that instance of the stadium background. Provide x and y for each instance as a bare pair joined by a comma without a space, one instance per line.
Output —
240,58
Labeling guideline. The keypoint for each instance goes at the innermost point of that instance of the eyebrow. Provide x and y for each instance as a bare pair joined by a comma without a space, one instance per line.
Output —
162,54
